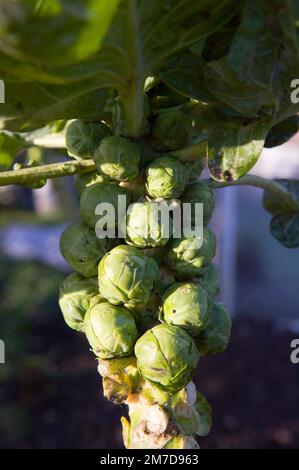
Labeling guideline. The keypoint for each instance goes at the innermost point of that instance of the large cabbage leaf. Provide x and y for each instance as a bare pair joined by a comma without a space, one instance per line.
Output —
75,47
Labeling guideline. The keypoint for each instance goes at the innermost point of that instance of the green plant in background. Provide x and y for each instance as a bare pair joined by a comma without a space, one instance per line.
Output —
144,95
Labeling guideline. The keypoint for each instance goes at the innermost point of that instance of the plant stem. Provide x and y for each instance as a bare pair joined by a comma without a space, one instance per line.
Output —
132,97
54,170
258,182
132,105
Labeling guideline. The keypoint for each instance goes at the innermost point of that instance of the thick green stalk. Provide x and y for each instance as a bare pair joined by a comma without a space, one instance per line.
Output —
132,97
54,170
258,182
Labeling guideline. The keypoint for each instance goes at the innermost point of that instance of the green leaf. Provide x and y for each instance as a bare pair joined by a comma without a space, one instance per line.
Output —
186,75
32,105
274,204
282,132
70,31
234,147
218,44
204,410
255,77
102,44
295,7
285,228
10,145
58,32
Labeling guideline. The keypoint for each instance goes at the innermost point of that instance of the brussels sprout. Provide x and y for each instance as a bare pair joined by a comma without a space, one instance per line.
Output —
209,280
127,276
185,257
97,194
215,337
167,356
195,168
285,229
118,158
82,138
172,130
186,304
199,193
166,177
82,249
274,203
111,331
144,226
87,179
75,297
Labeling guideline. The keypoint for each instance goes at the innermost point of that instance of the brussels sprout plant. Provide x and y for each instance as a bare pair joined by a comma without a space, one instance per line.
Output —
140,99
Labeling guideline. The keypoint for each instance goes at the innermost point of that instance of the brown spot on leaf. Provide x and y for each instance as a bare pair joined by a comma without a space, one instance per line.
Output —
228,176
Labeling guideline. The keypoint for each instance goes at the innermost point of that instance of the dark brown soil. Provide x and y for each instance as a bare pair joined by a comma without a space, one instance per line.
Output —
254,390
